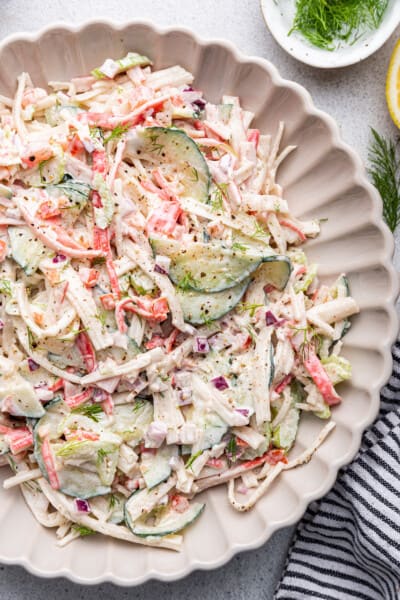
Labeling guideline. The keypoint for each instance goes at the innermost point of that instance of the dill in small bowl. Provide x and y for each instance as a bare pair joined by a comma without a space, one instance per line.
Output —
328,24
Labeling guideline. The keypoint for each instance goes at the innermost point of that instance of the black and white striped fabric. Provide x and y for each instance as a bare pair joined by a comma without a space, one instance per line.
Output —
348,544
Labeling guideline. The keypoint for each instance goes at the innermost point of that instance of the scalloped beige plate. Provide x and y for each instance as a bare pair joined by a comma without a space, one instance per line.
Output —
322,178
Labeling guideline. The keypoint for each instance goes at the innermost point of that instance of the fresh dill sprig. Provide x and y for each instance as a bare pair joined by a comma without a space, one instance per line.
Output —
327,23
187,282
93,411
251,308
116,133
155,145
113,501
83,531
217,196
205,319
191,460
5,286
384,170
101,316
259,231
232,449
195,174
73,332
138,405
239,246
102,454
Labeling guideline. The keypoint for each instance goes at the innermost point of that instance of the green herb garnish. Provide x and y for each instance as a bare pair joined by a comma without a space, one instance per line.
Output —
83,531
205,319
232,449
327,23
218,195
70,448
116,133
187,282
138,405
249,307
238,246
155,146
191,460
5,286
102,317
101,454
195,174
73,332
113,501
31,339
93,411
259,231
384,159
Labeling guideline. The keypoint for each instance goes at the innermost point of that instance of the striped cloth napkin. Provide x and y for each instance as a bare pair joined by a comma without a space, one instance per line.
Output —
348,543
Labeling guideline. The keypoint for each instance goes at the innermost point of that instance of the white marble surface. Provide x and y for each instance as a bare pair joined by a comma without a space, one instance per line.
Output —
353,96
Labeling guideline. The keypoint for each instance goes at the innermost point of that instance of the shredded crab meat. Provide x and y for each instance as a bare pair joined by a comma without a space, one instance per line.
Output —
161,329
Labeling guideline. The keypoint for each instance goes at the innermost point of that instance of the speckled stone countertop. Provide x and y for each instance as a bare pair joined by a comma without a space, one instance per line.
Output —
353,96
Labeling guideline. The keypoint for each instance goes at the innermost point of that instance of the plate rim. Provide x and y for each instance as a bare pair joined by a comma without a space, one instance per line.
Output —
389,304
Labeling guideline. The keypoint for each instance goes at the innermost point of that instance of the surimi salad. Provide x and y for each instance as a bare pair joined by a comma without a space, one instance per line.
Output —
162,331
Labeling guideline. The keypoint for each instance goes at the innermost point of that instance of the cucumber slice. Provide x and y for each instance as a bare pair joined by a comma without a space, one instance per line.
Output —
341,288
80,483
26,250
98,458
155,468
212,268
131,420
52,170
116,504
285,433
171,522
142,502
176,152
21,397
76,191
276,271
53,114
214,430
99,462
201,308
132,59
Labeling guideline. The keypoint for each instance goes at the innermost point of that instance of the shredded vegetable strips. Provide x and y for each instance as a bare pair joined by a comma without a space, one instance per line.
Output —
162,331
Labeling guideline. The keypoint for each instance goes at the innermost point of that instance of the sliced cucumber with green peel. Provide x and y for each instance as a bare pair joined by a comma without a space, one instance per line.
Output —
210,267
142,502
131,420
76,191
81,483
178,153
285,433
171,522
26,250
199,308
155,468
341,289
21,396
96,461
214,429
275,271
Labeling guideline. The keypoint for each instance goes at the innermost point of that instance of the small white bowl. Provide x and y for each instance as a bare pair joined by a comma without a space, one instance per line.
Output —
279,15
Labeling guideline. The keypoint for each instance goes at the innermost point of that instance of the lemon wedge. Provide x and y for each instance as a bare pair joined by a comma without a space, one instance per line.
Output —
393,85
